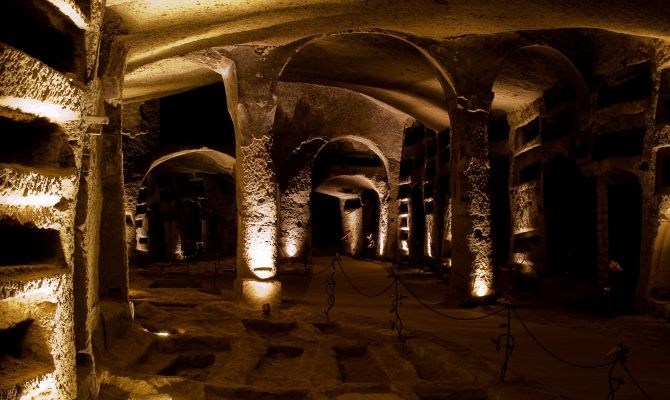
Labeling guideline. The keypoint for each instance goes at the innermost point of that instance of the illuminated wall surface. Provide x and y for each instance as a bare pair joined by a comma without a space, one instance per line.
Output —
500,157
352,221
40,312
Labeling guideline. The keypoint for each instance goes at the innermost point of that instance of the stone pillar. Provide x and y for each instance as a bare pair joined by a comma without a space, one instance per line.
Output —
472,261
113,265
352,224
384,218
249,74
295,215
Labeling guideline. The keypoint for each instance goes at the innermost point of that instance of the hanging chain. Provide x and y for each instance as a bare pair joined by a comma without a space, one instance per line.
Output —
330,287
620,357
510,342
396,301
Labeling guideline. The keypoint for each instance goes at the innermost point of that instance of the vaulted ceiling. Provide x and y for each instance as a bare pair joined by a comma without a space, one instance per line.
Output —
159,33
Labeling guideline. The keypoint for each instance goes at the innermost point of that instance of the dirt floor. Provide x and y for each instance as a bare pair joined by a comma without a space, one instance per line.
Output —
193,341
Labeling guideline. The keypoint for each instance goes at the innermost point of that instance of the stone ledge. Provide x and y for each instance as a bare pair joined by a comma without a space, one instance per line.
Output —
32,87
21,280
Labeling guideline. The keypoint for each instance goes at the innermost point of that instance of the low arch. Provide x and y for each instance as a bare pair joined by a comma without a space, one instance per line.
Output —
186,205
408,88
564,66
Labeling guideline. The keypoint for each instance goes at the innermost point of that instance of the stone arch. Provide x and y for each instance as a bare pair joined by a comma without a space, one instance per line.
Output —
391,42
379,186
445,77
562,65
181,205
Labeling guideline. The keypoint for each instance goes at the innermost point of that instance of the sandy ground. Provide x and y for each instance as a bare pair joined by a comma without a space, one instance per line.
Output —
217,349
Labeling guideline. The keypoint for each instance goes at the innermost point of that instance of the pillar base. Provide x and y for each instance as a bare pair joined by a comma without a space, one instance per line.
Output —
255,292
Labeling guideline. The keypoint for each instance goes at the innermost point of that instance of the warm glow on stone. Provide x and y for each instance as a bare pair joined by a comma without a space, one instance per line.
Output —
261,253
404,247
45,390
36,200
481,284
352,221
255,293
51,111
69,9
291,249
429,235
261,290
480,289
382,192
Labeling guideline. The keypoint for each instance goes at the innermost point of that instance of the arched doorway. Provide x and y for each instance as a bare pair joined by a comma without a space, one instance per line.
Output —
350,172
371,63
187,208
326,224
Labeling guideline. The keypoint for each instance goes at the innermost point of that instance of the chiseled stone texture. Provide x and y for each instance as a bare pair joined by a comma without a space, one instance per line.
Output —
295,214
525,206
24,77
44,294
257,202
40,197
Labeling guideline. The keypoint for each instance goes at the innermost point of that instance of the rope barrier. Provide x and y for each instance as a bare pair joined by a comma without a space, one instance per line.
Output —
396,301
615,383
554,355
632,378
450,316
322,271
505,341
330,288
357,290
620,353
510,342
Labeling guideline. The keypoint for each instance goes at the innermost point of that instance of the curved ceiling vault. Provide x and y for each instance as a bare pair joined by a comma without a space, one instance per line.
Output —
192,161
382,67
158,33
353,162
345,186
527,73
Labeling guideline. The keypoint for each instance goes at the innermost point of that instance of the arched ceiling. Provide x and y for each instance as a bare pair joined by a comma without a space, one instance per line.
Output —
385,68
345,186
158,33
342,168
192,161
523,77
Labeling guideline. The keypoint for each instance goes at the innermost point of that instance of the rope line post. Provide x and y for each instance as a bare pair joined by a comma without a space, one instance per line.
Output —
330,288
620,353
397,324
620,357
433,310
510,341
554,355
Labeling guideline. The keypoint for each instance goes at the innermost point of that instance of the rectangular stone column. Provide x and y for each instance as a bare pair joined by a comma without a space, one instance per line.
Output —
113,265
472,272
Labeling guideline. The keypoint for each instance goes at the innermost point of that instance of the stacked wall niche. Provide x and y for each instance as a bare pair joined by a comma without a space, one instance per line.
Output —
423,200
501,223
545,210
38,172
43,58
